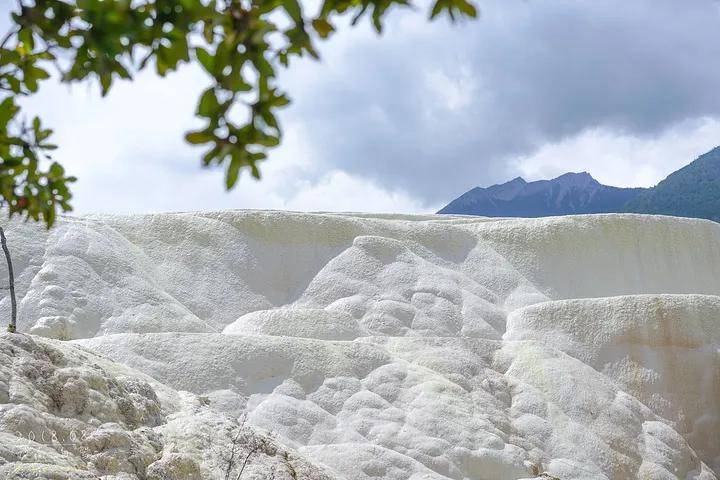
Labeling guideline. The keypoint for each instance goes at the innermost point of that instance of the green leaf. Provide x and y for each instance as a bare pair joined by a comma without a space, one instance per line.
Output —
162,60
322,27
8,109
41,135
15,84
56,170
292,7
178,51
8,57
197,138
39,73
9,161
376,19
233,172
105,82
206,60
281,101
255,171
49,216
467,8
269,141
437,8
235,82
30,81
210,155
26,37
122,72
208,105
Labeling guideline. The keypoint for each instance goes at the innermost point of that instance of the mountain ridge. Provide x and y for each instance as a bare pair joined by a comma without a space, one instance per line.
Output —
570,193
692,191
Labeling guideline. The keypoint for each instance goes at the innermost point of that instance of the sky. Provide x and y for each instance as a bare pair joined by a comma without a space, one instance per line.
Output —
409,120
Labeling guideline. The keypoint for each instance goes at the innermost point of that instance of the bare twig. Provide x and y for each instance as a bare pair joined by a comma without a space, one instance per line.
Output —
247,459
231,460
289,466
11,278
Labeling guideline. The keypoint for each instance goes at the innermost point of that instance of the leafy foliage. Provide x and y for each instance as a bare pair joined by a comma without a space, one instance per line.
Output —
239,43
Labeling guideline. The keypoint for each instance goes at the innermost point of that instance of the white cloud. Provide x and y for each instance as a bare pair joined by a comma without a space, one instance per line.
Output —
338,191
621,159
162,188
128,153
452,90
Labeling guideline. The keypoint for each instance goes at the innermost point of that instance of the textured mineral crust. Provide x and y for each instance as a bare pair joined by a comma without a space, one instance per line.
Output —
363,347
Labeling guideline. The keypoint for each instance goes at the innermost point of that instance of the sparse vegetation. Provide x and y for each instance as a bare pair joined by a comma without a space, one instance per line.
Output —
247,444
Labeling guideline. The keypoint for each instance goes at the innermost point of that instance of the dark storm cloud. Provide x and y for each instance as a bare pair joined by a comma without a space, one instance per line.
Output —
437,109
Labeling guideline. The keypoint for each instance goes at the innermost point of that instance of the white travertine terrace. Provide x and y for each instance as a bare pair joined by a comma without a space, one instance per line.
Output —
376,347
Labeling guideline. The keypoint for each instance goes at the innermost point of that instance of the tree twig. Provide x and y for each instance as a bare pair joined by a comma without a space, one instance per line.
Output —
11,278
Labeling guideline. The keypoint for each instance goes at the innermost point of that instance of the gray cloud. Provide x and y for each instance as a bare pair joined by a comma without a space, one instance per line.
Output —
423,113
437,109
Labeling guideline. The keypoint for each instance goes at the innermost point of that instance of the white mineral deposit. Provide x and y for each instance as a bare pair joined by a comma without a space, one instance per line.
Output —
258,344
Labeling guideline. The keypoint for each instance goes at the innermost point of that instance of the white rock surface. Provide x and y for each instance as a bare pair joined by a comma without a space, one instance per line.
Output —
67,413
394,347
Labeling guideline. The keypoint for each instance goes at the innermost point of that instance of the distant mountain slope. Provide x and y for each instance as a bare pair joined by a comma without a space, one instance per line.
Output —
692,191
568,194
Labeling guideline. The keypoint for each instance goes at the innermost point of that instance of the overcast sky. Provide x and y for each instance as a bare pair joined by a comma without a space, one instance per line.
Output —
626,90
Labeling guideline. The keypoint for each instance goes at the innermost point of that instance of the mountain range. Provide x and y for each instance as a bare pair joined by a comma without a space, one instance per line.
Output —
692,191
